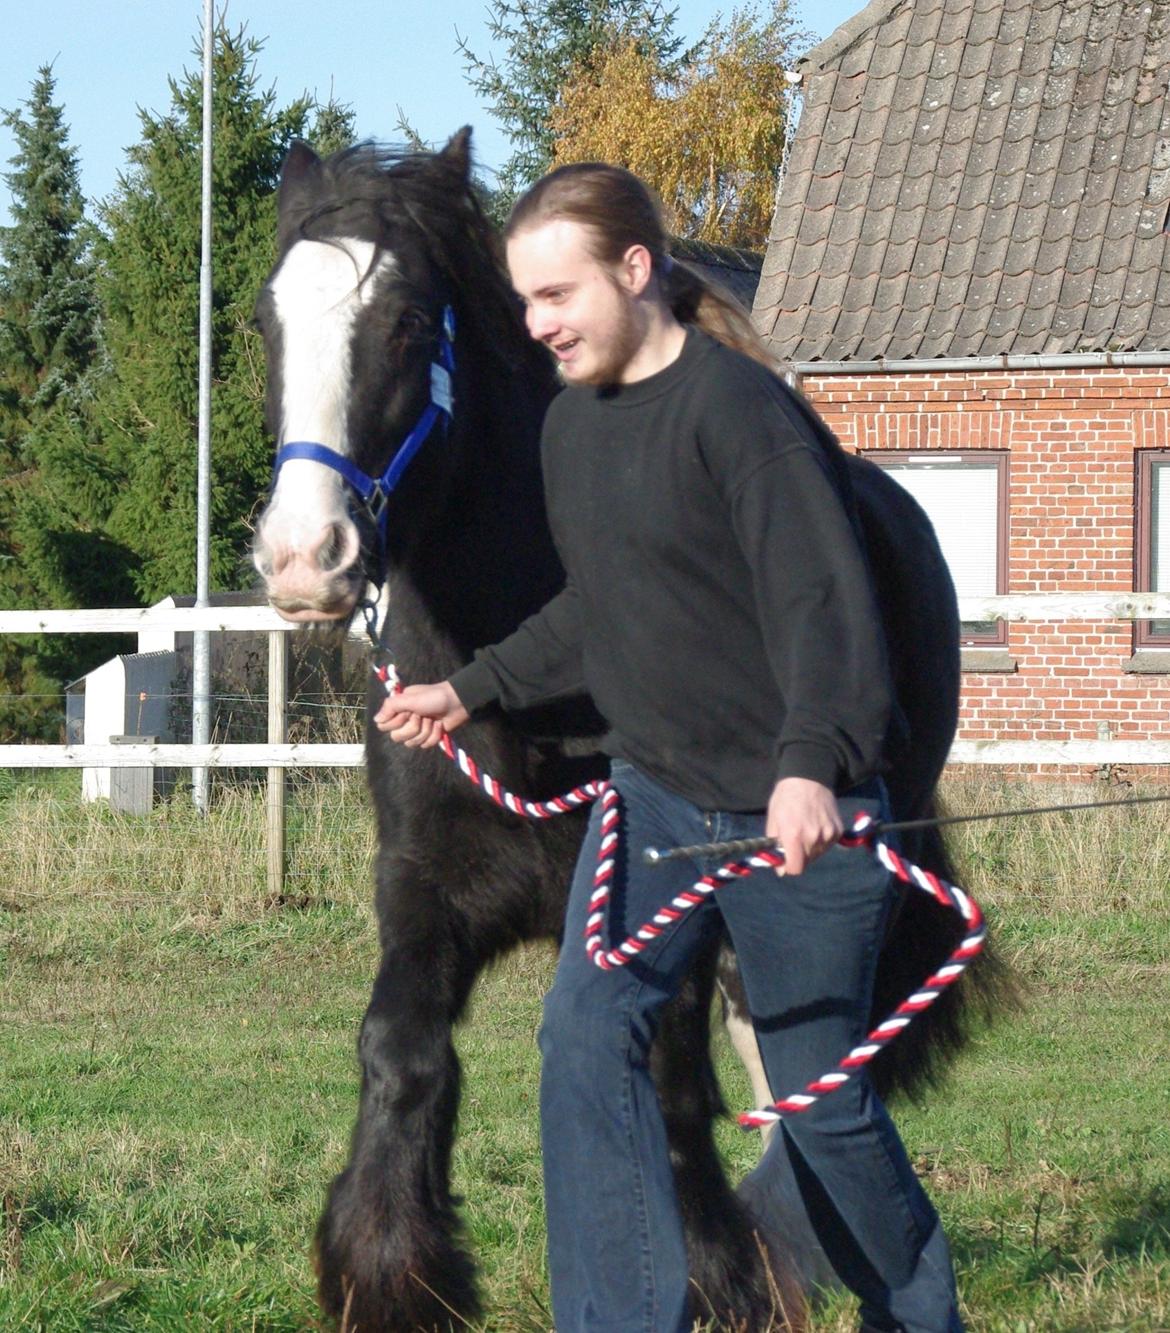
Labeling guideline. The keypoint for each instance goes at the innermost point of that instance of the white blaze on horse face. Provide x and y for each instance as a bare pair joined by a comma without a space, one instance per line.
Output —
317,293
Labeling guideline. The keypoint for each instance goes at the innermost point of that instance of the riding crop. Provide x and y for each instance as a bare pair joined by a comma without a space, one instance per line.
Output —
863,833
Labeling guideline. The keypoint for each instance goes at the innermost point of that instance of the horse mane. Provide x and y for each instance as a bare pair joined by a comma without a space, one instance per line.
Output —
433,194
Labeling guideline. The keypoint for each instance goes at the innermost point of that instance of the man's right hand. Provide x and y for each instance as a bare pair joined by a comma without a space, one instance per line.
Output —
421,715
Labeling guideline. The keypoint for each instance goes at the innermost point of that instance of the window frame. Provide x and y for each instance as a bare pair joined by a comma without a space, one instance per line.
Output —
997,636
1144,635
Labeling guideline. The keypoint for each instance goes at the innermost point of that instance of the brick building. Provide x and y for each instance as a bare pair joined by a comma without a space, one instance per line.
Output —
968,275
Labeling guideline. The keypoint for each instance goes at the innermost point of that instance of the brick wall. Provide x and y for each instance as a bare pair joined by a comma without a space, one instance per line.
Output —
1071,438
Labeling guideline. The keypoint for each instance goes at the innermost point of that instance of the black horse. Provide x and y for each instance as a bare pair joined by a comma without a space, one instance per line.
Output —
387,294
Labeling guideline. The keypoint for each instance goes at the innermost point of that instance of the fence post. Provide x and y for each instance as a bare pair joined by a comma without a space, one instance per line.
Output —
277,734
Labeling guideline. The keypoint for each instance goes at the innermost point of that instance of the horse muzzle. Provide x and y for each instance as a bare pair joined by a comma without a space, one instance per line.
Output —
311,578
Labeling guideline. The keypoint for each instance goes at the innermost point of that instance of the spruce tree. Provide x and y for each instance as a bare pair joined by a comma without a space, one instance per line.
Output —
49,356
48,316
333,127
149,265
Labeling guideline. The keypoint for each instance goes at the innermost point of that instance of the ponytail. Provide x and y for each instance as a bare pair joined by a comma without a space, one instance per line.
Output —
694,300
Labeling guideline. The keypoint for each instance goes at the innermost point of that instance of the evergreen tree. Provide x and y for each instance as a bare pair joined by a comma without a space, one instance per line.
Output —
544,42
333,127
49,355
150,261
48,316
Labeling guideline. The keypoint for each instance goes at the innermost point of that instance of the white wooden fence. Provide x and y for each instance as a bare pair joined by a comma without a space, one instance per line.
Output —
278,755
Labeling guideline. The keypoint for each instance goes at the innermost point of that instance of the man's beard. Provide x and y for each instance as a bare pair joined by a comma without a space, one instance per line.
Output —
621,349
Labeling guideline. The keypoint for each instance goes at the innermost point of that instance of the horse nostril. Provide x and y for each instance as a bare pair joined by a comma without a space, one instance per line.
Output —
332,549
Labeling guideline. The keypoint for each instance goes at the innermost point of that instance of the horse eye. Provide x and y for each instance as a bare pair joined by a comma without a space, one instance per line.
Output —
412,323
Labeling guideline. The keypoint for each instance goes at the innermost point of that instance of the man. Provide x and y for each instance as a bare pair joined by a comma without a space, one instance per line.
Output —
718,608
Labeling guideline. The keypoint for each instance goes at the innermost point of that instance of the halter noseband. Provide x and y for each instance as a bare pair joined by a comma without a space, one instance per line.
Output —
375,492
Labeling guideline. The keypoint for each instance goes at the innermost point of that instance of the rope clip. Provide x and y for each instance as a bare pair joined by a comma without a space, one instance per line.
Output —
369,610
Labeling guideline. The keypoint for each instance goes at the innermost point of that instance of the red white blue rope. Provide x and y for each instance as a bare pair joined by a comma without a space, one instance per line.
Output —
859,835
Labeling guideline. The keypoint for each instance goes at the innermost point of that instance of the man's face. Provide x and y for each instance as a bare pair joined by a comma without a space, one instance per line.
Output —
583,311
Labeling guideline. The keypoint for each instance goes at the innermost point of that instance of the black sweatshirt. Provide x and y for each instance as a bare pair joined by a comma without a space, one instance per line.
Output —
718,607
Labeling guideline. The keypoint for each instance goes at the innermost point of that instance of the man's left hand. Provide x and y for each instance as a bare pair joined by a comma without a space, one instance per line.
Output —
804,819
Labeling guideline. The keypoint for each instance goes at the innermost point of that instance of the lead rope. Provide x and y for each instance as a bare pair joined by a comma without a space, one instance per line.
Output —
859,835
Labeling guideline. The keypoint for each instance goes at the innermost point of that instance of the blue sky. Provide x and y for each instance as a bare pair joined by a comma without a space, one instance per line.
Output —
111,57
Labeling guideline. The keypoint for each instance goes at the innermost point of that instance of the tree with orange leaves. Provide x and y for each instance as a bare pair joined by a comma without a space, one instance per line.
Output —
708,135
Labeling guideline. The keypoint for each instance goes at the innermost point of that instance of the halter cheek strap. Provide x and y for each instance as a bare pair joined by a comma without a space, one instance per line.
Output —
375,492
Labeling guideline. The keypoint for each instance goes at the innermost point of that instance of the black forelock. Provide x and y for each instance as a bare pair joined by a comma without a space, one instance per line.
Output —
389,197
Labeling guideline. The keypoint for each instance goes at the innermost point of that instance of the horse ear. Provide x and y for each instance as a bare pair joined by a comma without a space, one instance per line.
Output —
458,151
299,177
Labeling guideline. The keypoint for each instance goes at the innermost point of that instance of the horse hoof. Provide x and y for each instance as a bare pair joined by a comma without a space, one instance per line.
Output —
374,1275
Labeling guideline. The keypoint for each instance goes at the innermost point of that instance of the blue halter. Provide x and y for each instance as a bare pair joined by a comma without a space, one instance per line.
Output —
375,492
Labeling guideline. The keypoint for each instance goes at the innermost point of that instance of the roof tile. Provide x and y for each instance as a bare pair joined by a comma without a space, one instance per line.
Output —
907,335
1052,255
940,331
869,258
897,259
1045,291
928,260
798,292
1036,323
823,191
860,293
849,330
1158,334
1001,329
1043,27
830,291
960,257
806,259
879,329
847,93
886,188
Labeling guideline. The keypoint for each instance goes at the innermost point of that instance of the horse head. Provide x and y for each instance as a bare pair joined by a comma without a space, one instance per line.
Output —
361,316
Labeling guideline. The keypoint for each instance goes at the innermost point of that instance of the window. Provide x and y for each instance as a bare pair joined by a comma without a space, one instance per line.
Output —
965,496
1152,533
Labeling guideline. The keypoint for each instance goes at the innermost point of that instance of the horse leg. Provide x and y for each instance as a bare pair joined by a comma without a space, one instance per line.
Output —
388,1247
743,1041
740,1276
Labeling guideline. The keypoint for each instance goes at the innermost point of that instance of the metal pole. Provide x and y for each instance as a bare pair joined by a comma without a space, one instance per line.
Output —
201,662
277,735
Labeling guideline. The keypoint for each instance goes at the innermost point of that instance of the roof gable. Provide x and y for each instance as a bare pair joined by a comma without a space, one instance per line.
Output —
977,178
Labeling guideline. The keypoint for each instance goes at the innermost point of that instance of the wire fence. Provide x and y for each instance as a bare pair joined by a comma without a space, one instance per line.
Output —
323,841
210,866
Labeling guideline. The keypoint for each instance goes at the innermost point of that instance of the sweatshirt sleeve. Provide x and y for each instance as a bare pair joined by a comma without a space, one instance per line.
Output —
538,662
817,611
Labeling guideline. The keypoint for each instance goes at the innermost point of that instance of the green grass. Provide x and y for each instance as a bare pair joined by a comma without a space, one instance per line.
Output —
178,1079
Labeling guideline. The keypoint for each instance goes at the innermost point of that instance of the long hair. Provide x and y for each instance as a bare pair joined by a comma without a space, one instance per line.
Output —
618,210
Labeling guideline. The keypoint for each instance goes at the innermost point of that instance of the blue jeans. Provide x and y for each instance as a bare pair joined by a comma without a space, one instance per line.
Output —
807,948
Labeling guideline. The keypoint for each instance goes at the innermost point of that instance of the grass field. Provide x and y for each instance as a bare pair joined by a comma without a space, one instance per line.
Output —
178,1080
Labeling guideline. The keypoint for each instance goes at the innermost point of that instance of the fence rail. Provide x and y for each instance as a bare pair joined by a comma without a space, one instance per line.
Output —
1028,606
131,619
1098,753
179,755
1034,607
